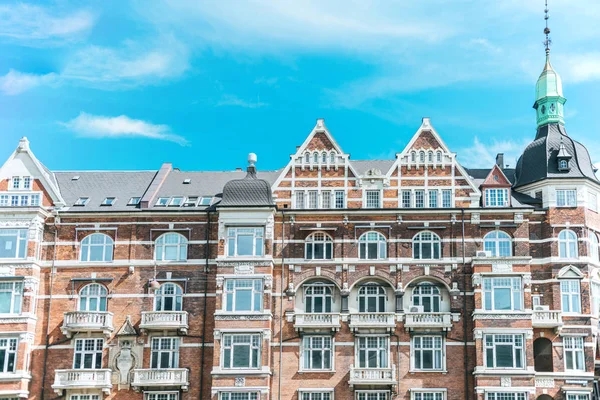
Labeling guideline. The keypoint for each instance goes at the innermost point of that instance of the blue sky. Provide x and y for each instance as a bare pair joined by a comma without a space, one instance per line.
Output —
129,85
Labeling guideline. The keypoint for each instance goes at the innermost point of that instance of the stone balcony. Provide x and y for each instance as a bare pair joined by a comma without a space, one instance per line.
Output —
425,320
164,321
373,376
82,379
546,319
87,321
317,321
172,378
368,321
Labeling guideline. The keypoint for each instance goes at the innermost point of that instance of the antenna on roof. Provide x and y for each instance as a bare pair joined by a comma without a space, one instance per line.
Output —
548,41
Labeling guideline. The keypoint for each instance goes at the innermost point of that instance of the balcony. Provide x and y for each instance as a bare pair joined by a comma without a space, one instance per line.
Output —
368,321
66,379
546,319
317,321
372,376
87,321
424,320
164,321
172,378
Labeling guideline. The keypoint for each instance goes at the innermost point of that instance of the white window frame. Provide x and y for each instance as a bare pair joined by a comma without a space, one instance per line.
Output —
233,287
427,290
433,198
258,240
81,201
518,351
566,239
372,395
161,396
496,197
318,290
433,344
300,200
16,183
372,198
340,199
168,290
313,199
427,238
379,344
84,396
446,198
406,198
134,201
491,286
10,347
419,198
593,246
316,240
593,201
369,291
326,199
497,243
369,238
20,237
93,298
574,353
577,396
95,351
15,288
570,296
176,201
204,200
107,245
506,396
162,201
315,394
245,395
108,201
429,394
169,241
322,344
254,345
160,346
566,197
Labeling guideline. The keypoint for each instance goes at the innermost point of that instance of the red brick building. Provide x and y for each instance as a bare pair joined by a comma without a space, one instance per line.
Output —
411,278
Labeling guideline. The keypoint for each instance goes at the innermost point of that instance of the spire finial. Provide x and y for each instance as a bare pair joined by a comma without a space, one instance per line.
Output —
548,41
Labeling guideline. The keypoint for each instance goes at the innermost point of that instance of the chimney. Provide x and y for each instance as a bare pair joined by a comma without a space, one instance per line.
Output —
251,166
155,185
500,160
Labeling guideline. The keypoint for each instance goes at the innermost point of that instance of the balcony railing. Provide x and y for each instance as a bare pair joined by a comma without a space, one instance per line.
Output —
546,319
168,377
82,379
372,376
428,321
317,321
373,321
87,321
164,320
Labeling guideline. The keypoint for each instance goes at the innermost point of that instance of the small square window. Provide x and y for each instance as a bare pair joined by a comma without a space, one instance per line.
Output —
108,201
176,202
191,201
162,201
82,201
134,201
187,181
205,201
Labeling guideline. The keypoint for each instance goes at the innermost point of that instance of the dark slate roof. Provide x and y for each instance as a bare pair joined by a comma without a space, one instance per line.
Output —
97,185
362,166
539,160
478,176
249,191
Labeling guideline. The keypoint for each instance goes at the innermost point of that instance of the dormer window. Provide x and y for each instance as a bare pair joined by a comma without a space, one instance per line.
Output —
563,165
82,201
496,197
108,201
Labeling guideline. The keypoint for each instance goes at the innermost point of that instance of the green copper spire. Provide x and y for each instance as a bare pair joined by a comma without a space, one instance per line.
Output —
549,100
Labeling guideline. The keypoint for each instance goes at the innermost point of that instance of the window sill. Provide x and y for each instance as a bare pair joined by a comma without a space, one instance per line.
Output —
14,376
16,318
479,370
219,371
428,371
244,315
316,371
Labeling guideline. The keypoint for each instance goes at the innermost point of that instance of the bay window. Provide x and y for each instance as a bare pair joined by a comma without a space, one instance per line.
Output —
241,351
246,241
502,294
504,350
244,295
316,353
11,297
13,243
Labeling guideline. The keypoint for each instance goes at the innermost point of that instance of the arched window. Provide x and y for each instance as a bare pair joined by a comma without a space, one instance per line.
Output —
498,243
593,247
430,157
372,246
92,298
562,164
542,355
318,246
315,158
372,298
324,158
171,247
97,247
427,246
318,297
422,156
168,297
427,296
413,156
439,157
332,158
567,244
307,158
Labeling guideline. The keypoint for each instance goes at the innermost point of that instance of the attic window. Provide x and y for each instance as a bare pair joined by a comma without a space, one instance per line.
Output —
176,202
134,201
162,201
205,201
187,181
108,201
82,201
191,201
75,178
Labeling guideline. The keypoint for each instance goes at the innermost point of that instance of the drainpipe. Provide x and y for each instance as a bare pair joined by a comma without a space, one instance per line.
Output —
465,326
281,304
202,351
49,309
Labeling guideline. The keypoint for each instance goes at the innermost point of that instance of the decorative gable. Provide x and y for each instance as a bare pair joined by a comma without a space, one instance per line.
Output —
496,189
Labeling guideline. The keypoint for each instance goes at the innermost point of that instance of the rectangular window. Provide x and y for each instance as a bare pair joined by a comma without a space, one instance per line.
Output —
162,201
372,395
316,395
35,200
8,354
134,201
11,297
300,200
373,352
339,199
570,295
176,202
205,201
574,355
108,201
88,354
428,353
502,294
26,182
593,201
165,353
503,351
566,198
427,395
16,182
14,201
84,397
373,200
24,200
326,199
447,198
506,396
82,201
406,198
313,199
241,351
239,396
162,396
245,241
419,198
578,396
316,352
496,197
13,243
433,199
4,200
243,294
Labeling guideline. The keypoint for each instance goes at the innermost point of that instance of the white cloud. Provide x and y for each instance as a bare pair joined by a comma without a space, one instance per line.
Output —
484,44
33,24
234,101
15,82
581,67
98,126
483,155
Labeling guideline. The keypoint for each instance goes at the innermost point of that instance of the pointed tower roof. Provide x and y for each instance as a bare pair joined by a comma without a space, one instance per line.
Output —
549,83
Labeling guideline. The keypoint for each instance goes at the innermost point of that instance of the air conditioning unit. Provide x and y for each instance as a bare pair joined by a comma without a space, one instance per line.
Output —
541,308
483,253
417,309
